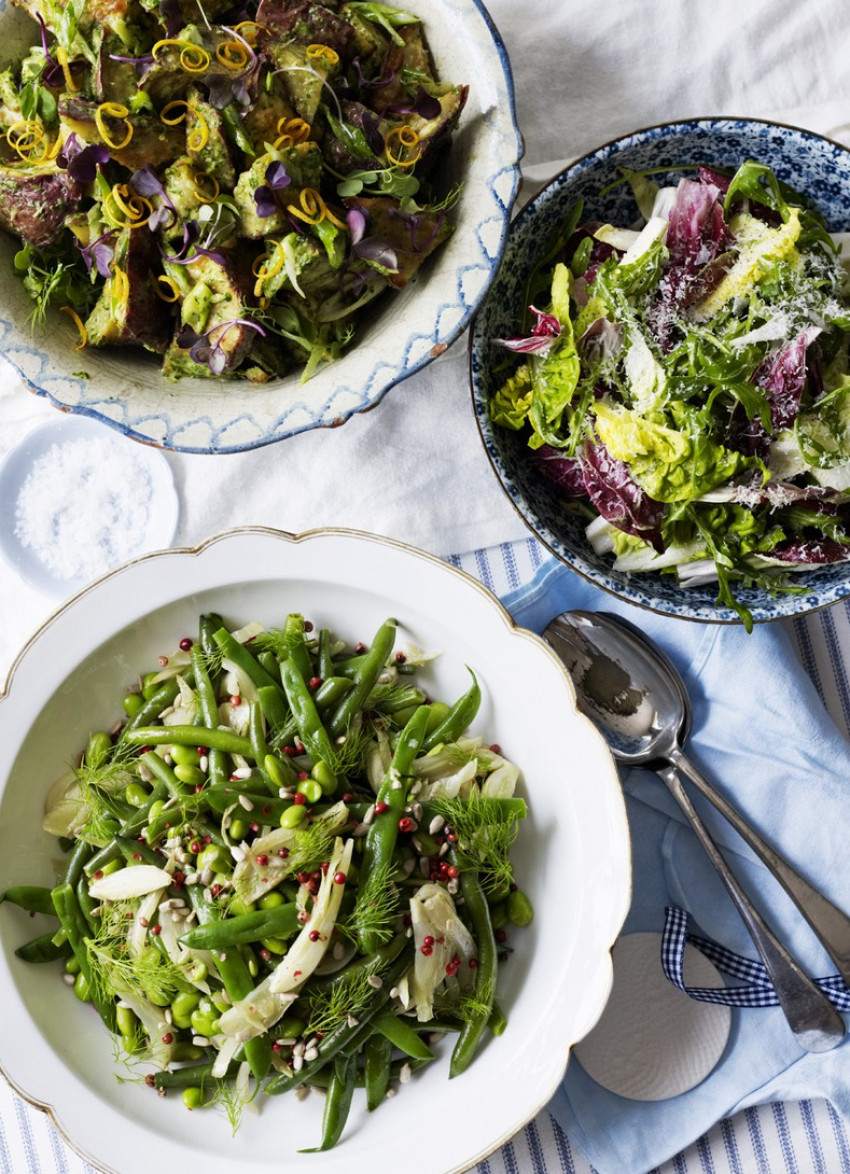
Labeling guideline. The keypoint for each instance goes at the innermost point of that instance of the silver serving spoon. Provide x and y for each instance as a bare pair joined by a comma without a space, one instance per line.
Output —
630,689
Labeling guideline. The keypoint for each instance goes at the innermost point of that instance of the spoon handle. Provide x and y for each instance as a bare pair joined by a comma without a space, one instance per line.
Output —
829,923
814,1022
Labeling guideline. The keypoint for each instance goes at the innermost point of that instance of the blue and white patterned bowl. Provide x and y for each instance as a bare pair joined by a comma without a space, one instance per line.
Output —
814,166
126,389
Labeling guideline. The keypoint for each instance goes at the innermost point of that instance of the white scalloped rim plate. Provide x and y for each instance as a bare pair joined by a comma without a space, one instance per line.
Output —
126,389
572,855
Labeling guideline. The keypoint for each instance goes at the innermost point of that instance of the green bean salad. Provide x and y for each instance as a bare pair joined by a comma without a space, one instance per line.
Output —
286,867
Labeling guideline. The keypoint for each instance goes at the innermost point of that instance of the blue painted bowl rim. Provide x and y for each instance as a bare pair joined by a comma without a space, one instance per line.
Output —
636,594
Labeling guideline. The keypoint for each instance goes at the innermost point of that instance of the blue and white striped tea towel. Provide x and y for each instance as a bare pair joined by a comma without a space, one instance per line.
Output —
763,736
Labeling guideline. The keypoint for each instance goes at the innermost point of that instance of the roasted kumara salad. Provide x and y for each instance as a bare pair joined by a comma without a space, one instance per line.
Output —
223,184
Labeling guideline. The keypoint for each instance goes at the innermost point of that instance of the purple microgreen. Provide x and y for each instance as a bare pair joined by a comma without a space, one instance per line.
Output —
415,222
265,201
276,176
365,83
377,252
264,196
49,60
209,354
357,220
424,104
82,163
99,253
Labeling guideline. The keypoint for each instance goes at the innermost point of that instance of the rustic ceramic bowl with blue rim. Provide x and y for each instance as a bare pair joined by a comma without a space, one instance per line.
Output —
815,166
125,389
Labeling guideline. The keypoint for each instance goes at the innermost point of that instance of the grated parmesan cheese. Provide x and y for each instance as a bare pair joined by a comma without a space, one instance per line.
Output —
84,507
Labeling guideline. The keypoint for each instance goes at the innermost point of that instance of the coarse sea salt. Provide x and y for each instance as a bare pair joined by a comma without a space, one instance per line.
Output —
84,507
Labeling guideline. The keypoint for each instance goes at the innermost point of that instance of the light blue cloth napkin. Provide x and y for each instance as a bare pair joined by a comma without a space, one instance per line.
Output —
762,736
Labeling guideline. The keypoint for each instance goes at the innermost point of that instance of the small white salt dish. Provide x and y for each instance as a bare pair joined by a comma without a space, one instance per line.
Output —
156,522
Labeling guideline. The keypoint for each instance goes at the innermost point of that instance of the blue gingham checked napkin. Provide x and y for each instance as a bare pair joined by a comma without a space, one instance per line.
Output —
763,737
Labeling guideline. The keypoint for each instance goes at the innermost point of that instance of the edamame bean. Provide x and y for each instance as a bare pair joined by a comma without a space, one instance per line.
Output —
293,816
519,909
98,749
192,776
132,703
238,829
185,755
311,789
182,1007
136,794
81,988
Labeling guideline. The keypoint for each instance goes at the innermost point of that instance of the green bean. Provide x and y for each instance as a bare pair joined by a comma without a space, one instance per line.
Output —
315,737
76,928
296,644
373,963
257,733
381,837
218,739
163,773
403,1036
244,660
269,662
135,852
44,948
223,798
365,679
325,663
275,709
151,709
377,1063
498,1021
344,1036
458,719
478,913
237,981
208,706
76,861
337,1102
280,921
329,693
394,1072
35,898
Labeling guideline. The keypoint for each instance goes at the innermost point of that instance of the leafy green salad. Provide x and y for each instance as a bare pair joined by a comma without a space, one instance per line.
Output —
685,382
286,868
226,185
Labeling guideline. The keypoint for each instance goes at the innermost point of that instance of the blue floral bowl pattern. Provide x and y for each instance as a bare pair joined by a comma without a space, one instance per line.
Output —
405,332
811,164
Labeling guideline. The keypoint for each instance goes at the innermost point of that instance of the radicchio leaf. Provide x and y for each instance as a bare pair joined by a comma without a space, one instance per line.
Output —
543,334
782,375
618,497
565,473
818,551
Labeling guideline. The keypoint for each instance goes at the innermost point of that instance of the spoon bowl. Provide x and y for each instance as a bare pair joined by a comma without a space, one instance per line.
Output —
637,698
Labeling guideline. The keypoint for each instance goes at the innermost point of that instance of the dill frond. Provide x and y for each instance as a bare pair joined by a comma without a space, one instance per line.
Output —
331,1007
349,755
485,834
376,906
313,844
115,972
98,785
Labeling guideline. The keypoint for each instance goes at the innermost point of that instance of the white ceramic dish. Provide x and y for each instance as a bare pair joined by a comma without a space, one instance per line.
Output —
572,856
154,521
126,389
